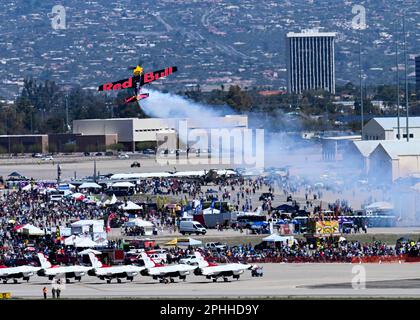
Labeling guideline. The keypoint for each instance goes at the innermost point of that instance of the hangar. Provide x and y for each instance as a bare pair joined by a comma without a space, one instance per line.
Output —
386,128
136,133
395,159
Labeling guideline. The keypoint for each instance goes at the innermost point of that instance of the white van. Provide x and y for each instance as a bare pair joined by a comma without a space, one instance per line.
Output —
191,227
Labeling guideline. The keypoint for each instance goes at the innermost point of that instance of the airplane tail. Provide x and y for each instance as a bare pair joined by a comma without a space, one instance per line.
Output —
148,262
202,263
94,260
45,264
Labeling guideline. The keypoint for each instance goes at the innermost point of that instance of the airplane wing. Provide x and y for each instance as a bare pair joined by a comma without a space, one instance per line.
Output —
120,84
149,77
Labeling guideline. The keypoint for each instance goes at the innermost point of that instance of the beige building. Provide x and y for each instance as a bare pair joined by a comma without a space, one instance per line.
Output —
131,131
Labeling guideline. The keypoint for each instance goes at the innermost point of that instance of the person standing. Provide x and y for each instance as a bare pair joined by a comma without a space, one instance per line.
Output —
45,291
58,293
53,292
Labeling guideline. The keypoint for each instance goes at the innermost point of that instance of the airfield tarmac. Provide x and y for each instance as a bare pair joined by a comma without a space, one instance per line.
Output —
279,281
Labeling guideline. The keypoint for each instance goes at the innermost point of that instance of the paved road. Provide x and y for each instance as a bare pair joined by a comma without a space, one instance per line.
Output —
279,280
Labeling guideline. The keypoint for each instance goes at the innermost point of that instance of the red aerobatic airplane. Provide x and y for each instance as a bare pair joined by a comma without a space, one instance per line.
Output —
137,81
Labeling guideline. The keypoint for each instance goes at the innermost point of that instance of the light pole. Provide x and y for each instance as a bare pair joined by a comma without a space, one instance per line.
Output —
406,80
361,83
398,82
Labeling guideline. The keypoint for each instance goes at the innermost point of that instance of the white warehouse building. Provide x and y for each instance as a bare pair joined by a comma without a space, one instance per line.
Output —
157,132
387,128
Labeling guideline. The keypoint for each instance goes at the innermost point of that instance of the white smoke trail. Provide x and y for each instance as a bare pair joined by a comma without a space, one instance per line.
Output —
167,105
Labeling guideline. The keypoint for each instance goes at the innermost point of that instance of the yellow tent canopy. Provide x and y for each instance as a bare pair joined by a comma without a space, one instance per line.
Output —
183,242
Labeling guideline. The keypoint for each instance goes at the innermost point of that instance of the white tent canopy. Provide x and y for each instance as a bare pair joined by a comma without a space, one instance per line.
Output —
190,242
139,223
277,238
87,251
81,223
123,185
130,206
89,185
80,242
32,230
211,211
382,205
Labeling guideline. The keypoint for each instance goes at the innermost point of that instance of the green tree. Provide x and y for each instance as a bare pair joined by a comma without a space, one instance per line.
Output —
116,147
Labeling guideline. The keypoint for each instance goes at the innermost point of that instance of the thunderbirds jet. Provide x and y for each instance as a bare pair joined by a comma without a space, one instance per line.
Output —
162,272
50,271
215,271
111,272
15,273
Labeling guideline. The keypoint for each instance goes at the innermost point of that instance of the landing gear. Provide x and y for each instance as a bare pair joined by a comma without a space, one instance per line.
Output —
225,279
15,281
183,278
26,279
236,277
172,280
78,278
5,281
119,280
214,279
108,281
67,280
130,278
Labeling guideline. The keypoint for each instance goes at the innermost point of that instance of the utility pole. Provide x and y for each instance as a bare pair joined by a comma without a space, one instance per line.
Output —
361,82
67,114
406,80
398,82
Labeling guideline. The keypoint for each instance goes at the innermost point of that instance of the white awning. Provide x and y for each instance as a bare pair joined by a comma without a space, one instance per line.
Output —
123,185
130,206
90,185
32,230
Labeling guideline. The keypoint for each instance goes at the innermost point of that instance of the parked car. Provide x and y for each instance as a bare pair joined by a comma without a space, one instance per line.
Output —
123,156
149,151
189,259
98,154
215,246
109,153
86,154
48,158
36,155
158,255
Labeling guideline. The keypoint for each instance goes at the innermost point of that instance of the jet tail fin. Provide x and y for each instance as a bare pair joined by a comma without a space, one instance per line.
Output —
94,260
148,262
45,264
202,263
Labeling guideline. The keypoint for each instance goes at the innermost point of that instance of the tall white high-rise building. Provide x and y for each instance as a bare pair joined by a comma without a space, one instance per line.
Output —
311,63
